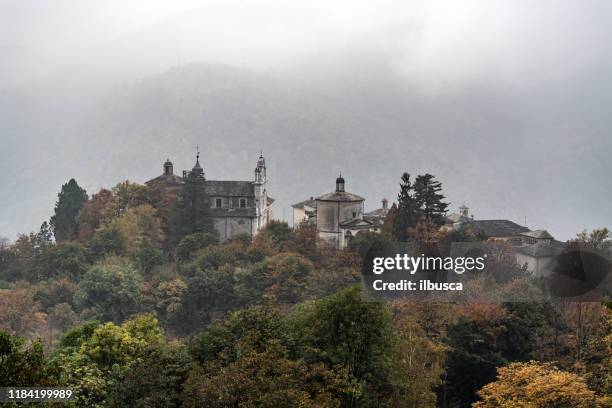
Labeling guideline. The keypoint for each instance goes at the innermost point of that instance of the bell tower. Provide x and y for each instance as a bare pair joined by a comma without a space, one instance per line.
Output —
261,196
260,170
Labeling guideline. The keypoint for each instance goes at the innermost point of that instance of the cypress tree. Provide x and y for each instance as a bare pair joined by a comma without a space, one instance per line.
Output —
69,202
407,209
191,212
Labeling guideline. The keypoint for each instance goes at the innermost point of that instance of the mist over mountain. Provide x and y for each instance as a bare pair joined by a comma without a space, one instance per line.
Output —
504,150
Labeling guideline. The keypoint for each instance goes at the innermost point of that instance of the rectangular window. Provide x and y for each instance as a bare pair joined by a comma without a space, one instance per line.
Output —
242,203
218,203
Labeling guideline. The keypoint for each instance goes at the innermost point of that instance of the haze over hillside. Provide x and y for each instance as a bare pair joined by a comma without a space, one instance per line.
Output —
511,114
489,152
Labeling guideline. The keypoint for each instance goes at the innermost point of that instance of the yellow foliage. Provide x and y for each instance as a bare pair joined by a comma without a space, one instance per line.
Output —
533,384
139,228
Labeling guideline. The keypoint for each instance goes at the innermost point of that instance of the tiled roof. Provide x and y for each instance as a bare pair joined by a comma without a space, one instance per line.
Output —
454,217
497,228
357,223
538,234
229,188
305,203
213,188
166,179
376,220
380,212
340,196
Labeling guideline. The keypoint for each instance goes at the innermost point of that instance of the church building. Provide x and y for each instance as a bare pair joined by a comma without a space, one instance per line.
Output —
236,207
338,215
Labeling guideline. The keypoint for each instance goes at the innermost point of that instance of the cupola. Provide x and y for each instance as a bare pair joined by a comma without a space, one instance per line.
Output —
340,184
168,168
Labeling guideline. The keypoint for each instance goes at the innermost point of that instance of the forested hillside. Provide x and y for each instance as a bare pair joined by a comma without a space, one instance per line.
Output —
116,300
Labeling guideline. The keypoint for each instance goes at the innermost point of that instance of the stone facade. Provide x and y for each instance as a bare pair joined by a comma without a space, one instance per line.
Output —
335,208
338,216
236,207
304,211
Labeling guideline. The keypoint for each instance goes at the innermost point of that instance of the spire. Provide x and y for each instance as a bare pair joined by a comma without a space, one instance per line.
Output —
197,165
197,169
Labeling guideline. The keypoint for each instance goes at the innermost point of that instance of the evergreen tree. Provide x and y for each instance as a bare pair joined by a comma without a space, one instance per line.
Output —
191,211
69,201
45,232
407,209
428,198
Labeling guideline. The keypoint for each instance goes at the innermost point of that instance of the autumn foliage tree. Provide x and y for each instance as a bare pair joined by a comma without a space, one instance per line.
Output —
534,384
91,215
19,312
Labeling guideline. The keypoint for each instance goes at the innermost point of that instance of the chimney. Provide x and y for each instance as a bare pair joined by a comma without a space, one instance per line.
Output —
385,203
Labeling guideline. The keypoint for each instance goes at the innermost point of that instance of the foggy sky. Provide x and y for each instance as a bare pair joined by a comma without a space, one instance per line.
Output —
511,98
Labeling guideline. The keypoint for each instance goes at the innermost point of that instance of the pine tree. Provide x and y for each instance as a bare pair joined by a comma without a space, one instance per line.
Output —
69,201
191,211
428,198
407,210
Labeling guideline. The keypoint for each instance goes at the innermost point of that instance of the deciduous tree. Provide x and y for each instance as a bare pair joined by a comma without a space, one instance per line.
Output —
91,215
192,243
109,291
19,313
535,384
24,366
